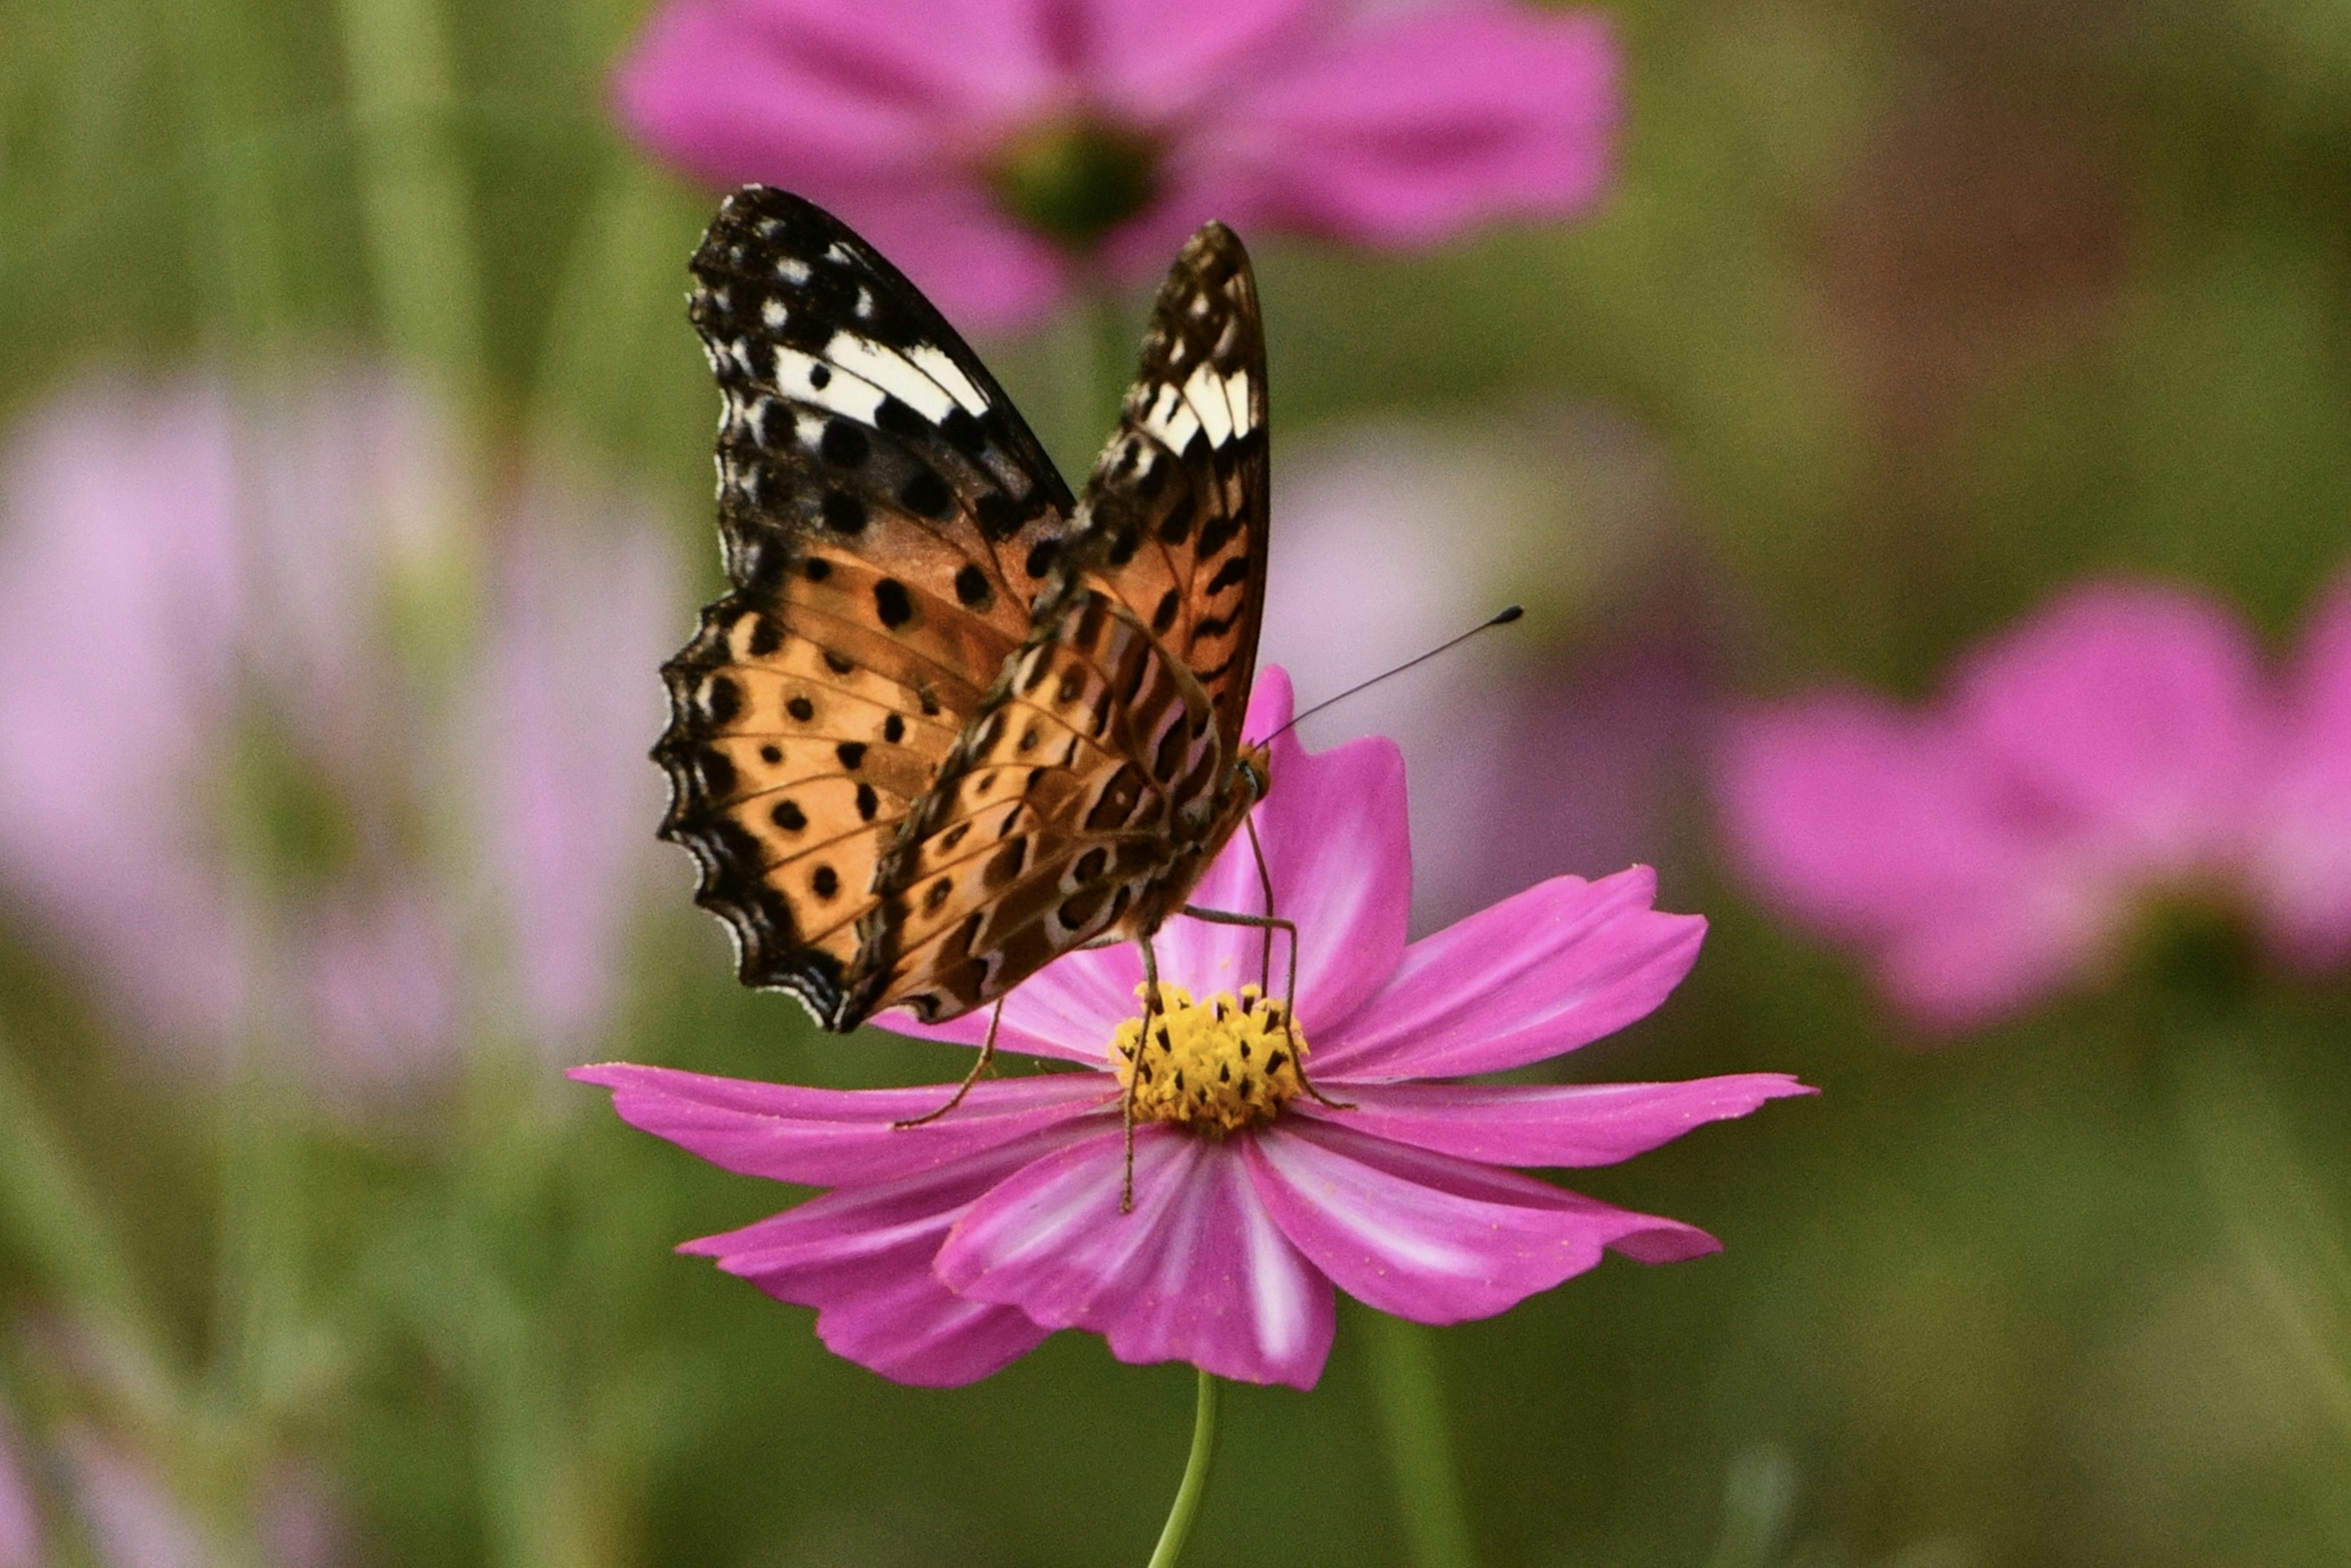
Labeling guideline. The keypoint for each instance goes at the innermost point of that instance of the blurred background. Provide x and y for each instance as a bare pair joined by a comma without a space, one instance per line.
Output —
355,478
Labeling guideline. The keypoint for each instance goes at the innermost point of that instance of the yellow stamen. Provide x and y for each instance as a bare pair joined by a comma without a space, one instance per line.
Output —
1226,1064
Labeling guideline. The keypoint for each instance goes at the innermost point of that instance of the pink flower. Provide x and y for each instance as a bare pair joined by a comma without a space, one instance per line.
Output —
20,1515
994,148
133,1522
2123,746
946,1251
221,759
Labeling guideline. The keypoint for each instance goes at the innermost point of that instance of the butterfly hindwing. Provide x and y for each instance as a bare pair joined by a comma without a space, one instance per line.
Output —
887,519
1051,822
1094,783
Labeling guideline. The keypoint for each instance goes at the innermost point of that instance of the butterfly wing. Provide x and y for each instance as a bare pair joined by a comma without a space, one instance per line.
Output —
1095,782
887,520
1173,523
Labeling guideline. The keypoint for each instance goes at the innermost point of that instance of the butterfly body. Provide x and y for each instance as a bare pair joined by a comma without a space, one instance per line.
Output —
950,721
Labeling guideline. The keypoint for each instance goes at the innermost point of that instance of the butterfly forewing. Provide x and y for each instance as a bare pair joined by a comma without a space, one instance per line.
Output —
1096,780
1173,521
888,520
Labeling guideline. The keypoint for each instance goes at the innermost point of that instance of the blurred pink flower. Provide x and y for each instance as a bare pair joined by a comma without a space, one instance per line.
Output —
996,147
219,762
1572,741
133,1522
2122,747
20,1516
946,1251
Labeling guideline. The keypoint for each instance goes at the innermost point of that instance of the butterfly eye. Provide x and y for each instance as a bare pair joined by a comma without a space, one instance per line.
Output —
1255,774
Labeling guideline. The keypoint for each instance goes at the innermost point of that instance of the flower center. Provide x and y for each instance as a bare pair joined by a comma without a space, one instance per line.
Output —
1075,180
2197,950
1226,1063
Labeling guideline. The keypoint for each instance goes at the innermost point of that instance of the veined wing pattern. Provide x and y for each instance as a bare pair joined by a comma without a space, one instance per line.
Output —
948,724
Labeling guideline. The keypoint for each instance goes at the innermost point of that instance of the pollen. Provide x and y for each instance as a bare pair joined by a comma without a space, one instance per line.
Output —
1219,1065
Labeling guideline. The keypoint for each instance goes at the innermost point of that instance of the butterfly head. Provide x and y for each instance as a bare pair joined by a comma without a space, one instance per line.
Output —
1253,772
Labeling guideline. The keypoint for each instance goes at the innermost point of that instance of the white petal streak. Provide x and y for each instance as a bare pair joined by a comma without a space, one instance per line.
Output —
1276,1284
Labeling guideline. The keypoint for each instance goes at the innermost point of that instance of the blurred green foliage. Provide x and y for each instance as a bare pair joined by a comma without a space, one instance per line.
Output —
1934,307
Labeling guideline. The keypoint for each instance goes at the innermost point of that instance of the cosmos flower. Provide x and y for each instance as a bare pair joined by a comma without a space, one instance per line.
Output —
945,1250
224,756
999,149
2120,752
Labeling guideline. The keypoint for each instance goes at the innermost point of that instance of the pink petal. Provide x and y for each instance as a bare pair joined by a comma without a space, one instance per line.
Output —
1419,124
1547,1124
880,113
124,495
1069,1008
814,92
1964,965
818,1137
1434,1238
1271,705
561,796
1554,967
985,272
1900,833
1859,819
862,1259
1145,60
382,970
2132,713
1337,841
132,1519
2301,861
1198,1272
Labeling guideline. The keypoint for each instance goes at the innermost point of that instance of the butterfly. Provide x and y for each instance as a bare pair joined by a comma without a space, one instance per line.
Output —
950,721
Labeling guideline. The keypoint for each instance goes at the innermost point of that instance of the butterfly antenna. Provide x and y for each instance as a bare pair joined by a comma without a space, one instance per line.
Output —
1501,618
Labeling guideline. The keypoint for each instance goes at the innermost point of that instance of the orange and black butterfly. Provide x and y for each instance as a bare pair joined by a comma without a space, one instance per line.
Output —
950,723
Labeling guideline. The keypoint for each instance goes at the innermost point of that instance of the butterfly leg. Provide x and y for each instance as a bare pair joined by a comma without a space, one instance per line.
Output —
1269,923
1150,1012
986,1055
1265,965
1265,954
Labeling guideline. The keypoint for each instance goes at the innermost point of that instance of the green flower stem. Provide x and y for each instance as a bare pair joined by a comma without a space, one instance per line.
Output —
419,245
54,1221
1091,358
615,315
225,80
2277,1211
423,263
259,1287
1178,1528
1114,346
1410,1395
548,1501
